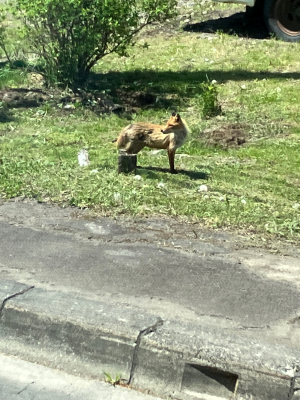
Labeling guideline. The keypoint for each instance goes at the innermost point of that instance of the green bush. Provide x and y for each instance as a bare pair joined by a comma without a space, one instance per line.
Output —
70,36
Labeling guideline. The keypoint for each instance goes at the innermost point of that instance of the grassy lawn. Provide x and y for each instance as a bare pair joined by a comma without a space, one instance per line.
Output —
253,186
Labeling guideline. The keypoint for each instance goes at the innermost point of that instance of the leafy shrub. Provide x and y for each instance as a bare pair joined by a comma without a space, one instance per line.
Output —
70,36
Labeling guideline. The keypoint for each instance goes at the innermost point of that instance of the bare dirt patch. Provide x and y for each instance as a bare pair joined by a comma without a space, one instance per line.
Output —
23,98
98,101
229,135
136,99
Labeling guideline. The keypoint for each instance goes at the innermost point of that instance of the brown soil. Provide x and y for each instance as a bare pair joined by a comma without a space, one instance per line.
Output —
24,98
99,102
229,135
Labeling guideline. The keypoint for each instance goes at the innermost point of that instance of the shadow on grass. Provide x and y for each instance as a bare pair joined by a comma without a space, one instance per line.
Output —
195,175
169,89
142,89
14,65
6,116
235,24
176,82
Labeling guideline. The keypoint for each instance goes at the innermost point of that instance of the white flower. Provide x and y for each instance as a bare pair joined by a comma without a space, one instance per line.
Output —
296,206
206,196
221,198
160,185
137,177
213,82
203,188
117,197
243,87
243,201
94,171
83,158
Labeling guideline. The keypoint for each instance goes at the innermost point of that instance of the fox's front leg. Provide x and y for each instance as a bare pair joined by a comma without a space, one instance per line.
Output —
171,154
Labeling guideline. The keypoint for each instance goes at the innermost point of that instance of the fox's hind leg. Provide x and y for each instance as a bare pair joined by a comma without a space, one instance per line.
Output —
134,147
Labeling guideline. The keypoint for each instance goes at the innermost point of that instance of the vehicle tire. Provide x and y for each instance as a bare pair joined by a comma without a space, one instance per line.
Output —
282,18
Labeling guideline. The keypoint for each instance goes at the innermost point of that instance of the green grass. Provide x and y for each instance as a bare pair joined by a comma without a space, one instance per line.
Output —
254,188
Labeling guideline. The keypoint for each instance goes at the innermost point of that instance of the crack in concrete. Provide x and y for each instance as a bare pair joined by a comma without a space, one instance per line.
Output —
142,333
293,384
30,383
292,389
12,296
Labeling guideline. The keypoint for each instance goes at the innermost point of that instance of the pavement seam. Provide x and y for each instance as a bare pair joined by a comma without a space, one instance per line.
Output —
12,296
292,391
142,333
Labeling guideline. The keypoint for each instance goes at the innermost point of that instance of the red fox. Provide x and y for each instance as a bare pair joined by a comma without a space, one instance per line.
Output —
135,137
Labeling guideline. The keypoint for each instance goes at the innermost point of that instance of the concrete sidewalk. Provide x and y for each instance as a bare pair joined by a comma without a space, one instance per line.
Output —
22,380
179,311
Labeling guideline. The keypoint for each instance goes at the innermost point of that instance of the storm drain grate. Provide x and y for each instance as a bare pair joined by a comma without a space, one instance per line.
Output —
199,379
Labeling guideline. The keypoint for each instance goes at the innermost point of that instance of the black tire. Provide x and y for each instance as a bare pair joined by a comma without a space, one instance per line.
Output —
282,18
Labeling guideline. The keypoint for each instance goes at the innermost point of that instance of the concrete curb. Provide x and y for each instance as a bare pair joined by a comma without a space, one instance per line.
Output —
174,359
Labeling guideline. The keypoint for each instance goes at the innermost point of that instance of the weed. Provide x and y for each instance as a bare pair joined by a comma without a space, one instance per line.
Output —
208,99
113,381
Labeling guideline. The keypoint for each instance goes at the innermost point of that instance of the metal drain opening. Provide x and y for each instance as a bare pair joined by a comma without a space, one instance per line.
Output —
199,379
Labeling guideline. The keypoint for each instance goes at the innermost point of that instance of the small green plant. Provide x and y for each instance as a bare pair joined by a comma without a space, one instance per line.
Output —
113,381
209,99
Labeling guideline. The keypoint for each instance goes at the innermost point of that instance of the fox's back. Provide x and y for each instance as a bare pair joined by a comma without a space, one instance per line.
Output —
142,128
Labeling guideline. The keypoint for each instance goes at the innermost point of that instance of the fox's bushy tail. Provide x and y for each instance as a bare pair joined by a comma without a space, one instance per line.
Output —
122,139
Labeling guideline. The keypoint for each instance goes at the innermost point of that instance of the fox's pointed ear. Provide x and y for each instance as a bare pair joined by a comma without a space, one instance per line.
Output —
174,114
178,118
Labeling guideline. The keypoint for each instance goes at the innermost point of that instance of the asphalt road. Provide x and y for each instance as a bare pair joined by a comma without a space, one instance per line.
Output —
196,278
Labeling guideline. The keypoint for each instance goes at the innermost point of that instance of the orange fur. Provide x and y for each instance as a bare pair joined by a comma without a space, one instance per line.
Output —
135,137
